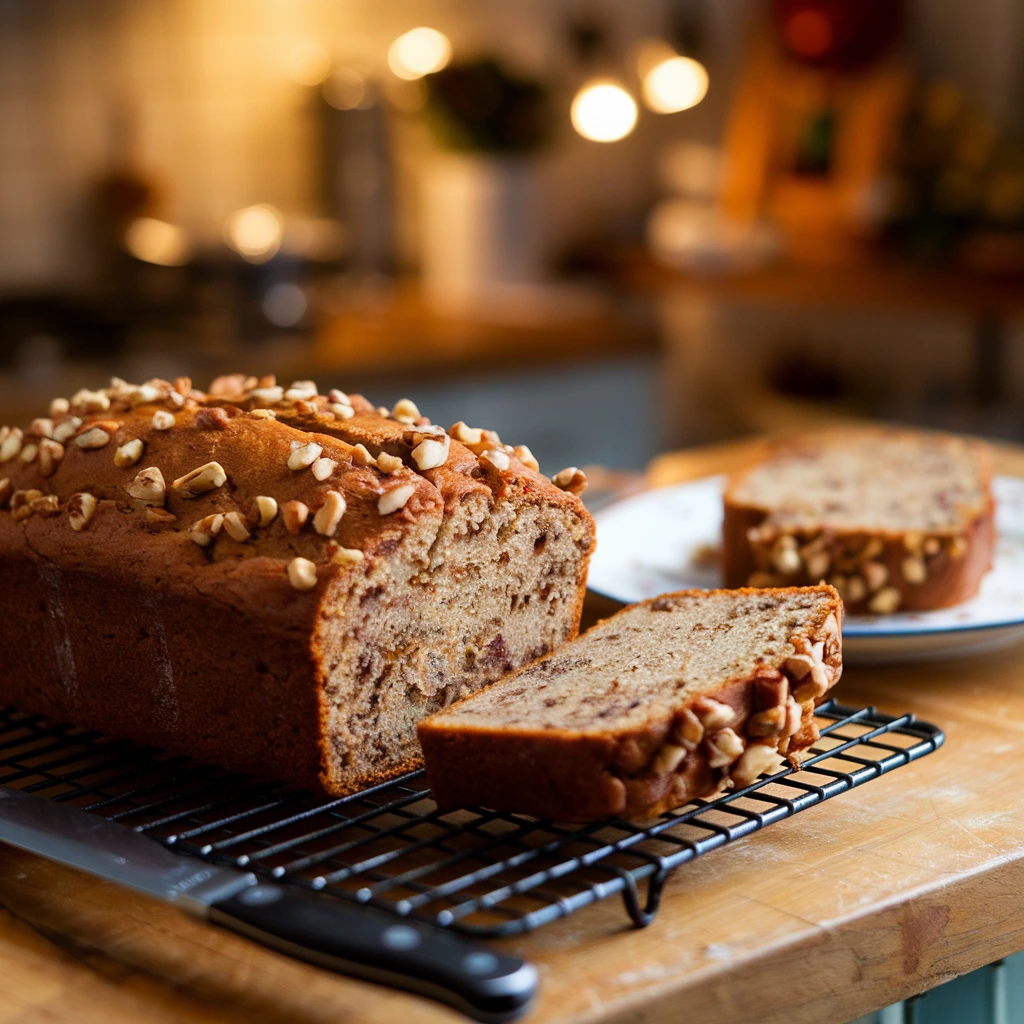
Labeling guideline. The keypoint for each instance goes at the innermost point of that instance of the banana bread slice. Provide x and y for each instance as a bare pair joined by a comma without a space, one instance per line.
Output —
663,702
895,520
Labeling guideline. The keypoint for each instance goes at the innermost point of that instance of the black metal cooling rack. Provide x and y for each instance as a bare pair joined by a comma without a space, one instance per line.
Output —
480,872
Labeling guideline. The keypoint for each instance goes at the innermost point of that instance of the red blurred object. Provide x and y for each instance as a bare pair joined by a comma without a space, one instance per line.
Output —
838,34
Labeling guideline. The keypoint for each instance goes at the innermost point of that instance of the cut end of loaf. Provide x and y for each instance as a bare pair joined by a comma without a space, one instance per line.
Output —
661,703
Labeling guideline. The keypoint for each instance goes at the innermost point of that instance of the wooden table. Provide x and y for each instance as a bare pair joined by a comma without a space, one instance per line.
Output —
883,892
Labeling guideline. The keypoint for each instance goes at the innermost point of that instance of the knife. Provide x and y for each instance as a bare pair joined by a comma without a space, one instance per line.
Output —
361,941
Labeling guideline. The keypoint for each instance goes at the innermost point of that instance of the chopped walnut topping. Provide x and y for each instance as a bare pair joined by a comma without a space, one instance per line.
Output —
11,444
758,759
389,463
128,454
345,556
204,530
50,455
323,468
29,453
45,505
668,759
65,430
325,522
199,481
301,389
163,420
361,457
885,602
267,396
59,407
89,401
304,455
302,574
182,385
498,459
572,480
159,517
688,730
767,723
80,510
21,503
146,394
414,435
294,514
467,435
235,528
914,569
337,397
266,510
713,714
5,490
213,418
148,487
525,456
431,453
230,386
724,747
396,498
94,437
41,427
343,412
263,414
405,411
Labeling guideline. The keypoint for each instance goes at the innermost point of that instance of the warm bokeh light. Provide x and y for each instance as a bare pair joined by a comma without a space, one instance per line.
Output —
255,232
308,63
345,89
419,52
156,241
675,84
603,112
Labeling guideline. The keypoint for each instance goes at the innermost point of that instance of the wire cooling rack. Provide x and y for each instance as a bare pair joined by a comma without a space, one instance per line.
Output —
480,872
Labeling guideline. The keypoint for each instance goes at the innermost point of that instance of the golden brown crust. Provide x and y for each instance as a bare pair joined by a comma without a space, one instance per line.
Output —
875,571
643,770
114,596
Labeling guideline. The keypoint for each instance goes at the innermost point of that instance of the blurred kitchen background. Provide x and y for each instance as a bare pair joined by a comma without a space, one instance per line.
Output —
603,228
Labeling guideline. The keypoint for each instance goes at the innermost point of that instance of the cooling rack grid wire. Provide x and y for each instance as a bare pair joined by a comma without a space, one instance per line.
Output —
480,872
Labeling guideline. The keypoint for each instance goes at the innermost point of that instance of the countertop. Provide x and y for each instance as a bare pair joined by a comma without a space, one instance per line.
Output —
880,893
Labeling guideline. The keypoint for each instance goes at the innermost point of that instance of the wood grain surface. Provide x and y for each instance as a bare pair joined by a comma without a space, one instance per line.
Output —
883,892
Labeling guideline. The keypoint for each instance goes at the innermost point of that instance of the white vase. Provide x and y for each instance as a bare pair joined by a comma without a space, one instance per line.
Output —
481,240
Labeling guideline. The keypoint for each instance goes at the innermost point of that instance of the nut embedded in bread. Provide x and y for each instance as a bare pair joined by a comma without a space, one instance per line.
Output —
233,574
895,520
662,703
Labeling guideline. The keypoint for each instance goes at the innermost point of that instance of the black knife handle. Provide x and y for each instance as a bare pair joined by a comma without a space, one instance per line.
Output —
372,944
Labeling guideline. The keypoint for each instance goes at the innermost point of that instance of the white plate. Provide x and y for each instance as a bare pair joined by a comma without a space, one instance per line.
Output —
659,541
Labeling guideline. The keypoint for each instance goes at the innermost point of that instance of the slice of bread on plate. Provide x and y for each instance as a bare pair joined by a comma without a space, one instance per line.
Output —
895,520
666,701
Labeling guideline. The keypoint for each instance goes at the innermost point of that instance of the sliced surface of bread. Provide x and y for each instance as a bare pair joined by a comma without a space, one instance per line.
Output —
896,520
663,702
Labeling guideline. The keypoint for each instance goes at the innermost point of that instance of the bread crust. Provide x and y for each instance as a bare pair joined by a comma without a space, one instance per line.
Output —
577,775
954,559
130,627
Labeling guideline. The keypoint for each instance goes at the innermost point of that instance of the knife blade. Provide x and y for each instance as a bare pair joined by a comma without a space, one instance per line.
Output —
362,941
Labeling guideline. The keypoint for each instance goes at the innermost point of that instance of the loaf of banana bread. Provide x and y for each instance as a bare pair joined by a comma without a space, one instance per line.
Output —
664,702
272,579
895,520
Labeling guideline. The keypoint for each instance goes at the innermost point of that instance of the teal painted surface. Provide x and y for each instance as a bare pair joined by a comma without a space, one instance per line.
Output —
991,995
